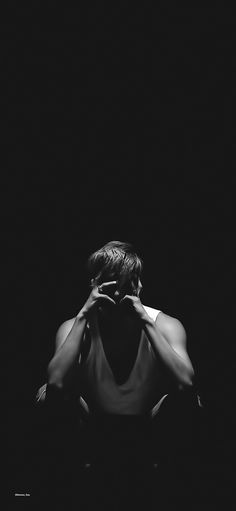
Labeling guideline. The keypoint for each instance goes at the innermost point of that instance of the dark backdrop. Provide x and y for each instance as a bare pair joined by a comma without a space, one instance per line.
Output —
120,127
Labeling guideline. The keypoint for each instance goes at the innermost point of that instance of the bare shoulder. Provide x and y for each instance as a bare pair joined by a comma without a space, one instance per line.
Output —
163,320
66,326
169,321
171,327
63,330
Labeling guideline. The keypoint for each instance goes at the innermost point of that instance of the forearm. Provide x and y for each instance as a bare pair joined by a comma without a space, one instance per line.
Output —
67,355
181,370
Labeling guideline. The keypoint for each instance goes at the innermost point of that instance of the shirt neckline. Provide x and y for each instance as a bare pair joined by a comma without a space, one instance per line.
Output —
131,374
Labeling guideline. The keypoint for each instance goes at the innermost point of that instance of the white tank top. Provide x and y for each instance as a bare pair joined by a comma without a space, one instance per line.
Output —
141,391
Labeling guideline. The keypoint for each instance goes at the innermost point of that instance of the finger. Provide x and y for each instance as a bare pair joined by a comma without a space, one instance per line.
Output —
107,284
107,298
126,298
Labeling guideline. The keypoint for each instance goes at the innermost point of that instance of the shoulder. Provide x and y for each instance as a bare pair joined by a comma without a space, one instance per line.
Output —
63,330
66,326
171,327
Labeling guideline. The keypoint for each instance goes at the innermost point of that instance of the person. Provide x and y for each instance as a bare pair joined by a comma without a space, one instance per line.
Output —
117,360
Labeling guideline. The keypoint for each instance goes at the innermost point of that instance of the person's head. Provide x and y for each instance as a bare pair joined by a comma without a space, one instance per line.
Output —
118,261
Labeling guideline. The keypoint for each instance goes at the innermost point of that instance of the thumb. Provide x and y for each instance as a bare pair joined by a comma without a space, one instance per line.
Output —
126,298
103,297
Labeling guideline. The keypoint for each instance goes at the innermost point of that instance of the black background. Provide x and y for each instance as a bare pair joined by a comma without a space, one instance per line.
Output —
120,127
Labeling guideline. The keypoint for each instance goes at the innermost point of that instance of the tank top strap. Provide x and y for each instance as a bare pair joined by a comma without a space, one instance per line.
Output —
153,313
95,344
92,327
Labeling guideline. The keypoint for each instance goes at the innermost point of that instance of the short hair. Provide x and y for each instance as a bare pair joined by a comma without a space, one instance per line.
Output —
116,259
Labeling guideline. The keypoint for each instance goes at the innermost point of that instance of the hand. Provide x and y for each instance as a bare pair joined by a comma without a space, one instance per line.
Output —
134,305
97,297
41,394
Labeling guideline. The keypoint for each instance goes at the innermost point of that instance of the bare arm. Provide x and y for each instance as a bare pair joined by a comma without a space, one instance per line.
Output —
69,340
68,347
168,340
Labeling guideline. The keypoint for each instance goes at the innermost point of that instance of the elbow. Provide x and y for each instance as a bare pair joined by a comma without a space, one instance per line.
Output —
54,378
187,382
184,385
190,379
55,383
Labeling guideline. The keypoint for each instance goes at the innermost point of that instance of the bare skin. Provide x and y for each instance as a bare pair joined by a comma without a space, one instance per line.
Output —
70,337
121,318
